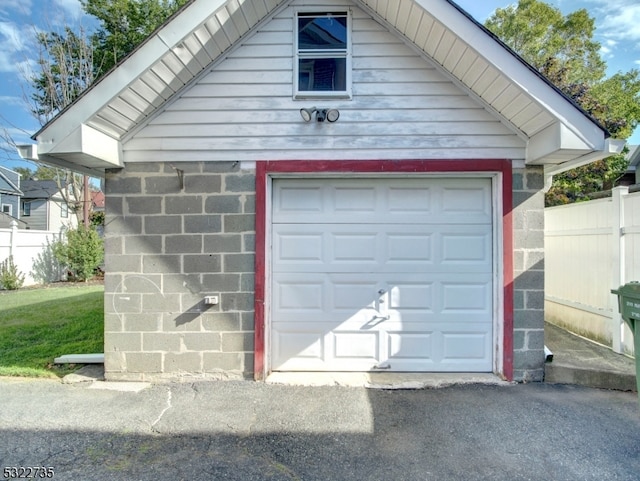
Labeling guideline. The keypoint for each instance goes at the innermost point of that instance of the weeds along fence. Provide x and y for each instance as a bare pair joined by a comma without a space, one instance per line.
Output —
32,253
590,248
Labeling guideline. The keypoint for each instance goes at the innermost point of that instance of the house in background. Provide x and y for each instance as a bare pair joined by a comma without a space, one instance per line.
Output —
43,206
347,185
10,192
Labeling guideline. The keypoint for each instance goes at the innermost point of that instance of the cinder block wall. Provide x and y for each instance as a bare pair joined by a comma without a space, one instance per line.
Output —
168,246
528,239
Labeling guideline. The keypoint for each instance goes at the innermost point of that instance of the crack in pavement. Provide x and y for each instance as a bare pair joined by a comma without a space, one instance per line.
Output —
162,413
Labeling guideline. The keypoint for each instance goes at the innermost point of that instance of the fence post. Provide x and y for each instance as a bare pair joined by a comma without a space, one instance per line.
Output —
14,236
617,264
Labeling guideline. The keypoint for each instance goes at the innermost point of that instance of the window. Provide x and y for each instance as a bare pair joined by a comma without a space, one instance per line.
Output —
6,209
26,209
323,61
64,210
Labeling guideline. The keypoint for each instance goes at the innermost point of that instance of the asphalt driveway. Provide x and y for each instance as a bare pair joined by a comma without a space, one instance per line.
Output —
254,431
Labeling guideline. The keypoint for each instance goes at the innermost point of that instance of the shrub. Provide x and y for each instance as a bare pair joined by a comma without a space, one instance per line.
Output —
82,251
10,277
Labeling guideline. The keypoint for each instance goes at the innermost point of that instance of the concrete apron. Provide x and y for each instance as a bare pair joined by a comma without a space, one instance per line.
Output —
384,380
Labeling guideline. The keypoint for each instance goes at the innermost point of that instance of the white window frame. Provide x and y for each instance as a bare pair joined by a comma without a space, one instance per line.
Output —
64,210
346,54
26,208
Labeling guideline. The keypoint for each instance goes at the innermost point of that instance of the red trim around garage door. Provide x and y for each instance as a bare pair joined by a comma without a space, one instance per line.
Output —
264,169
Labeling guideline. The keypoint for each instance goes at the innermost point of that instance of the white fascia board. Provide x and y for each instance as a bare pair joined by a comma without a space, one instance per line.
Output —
529,82
88,141
30,152
611,147
559,137
121,77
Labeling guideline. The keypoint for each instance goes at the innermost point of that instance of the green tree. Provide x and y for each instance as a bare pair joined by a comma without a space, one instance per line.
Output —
124,24
562,48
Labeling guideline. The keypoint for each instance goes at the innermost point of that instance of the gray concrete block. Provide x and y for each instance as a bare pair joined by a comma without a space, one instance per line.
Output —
221,321
237,341
518,299
519,340
240,183
239,263
534,299
535,179
141,284
535,339
144,205
534,219
529,280
190,362
162,185
534,260
222,361
221,282
113,246
528,319
202,224
169,264
528,360
249,241
122,341
181,283
247,321
517,180
125,225
112,321
181,322
142,322
221,167
202,341
202,184
125,263
122,185
142,167
183,204
143,244
528,239
222,243
249,204
163,224
239,223
113,205
144,362
183,244
162,341
161,302
528,200
222,204
248,282
170,168
120,303
204,263
237,301
528,375
248,364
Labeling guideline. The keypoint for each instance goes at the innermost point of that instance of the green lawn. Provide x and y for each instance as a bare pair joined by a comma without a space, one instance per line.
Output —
37,325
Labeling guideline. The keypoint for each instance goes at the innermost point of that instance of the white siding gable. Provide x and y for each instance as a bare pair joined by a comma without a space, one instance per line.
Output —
402,108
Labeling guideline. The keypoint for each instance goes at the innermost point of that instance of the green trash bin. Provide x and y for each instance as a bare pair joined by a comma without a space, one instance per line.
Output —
629,307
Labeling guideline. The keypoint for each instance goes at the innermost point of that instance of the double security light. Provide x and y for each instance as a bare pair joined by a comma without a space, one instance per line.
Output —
330,115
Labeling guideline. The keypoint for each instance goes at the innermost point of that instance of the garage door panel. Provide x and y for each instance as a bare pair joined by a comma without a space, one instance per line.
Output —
361,345
395,201
382,248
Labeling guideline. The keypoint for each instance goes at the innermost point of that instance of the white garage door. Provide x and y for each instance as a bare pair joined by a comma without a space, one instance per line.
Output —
382,274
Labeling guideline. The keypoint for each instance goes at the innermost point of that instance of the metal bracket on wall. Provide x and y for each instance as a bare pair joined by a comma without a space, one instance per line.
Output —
180,174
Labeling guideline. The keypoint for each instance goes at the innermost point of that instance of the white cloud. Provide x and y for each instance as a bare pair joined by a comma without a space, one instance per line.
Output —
72,8
19,7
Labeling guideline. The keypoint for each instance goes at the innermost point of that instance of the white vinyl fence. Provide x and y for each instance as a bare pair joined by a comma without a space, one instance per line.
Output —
591,248
31,251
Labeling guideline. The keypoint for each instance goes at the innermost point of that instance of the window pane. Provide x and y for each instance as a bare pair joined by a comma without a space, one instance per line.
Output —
322,33
322,74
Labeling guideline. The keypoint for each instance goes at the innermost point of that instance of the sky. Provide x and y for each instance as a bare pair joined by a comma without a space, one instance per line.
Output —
617,30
